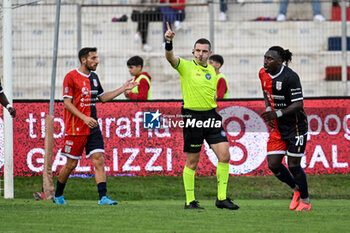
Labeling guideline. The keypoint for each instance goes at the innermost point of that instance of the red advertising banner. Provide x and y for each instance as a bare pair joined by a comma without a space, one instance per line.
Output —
130,149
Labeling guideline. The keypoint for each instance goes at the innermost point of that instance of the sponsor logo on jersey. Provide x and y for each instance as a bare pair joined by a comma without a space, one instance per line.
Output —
95,82
67,149
278,97
84,91
69,143
279,85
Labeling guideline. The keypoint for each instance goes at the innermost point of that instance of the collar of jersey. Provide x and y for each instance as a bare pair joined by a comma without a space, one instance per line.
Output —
85,75
275,76
194,61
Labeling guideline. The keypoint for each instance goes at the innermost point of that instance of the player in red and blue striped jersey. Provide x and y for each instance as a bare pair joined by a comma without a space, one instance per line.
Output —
81,89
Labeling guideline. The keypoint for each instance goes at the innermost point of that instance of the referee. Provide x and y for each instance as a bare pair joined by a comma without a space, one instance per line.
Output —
198,84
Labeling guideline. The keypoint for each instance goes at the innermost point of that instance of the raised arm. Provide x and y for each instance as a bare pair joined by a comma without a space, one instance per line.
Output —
169,54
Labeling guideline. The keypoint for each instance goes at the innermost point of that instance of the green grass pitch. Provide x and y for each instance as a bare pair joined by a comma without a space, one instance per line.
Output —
22,215
155,204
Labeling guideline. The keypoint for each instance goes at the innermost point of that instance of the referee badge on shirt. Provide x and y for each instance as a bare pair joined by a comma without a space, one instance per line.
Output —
278,85
95,82
223,133
208,76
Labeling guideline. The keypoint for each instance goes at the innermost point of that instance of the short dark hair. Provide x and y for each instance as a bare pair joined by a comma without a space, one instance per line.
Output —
217,58
203,41
285,54
135,61
84,52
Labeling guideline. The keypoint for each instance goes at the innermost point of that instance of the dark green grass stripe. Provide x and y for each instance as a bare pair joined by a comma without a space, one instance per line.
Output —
171,188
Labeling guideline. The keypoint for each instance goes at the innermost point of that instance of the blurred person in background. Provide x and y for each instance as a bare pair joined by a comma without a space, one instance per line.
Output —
223,9
316,7
143,90
143,15
173,14
217,61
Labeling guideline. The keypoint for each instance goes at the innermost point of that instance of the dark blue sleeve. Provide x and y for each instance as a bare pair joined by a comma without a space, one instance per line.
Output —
294,88
100,88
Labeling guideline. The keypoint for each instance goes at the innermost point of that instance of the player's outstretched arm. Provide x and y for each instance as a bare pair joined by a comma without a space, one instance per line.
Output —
128,85
169,54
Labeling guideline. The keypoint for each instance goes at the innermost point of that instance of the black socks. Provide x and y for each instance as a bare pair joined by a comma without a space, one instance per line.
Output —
284,175
59,189
102,189
300,180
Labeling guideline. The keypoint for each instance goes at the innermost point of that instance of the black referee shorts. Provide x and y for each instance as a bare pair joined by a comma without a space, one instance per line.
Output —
200,125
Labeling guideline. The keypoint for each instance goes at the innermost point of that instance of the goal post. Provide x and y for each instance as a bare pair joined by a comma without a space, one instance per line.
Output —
7,86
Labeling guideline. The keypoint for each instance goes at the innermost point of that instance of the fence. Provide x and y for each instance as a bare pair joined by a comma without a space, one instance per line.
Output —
242,40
